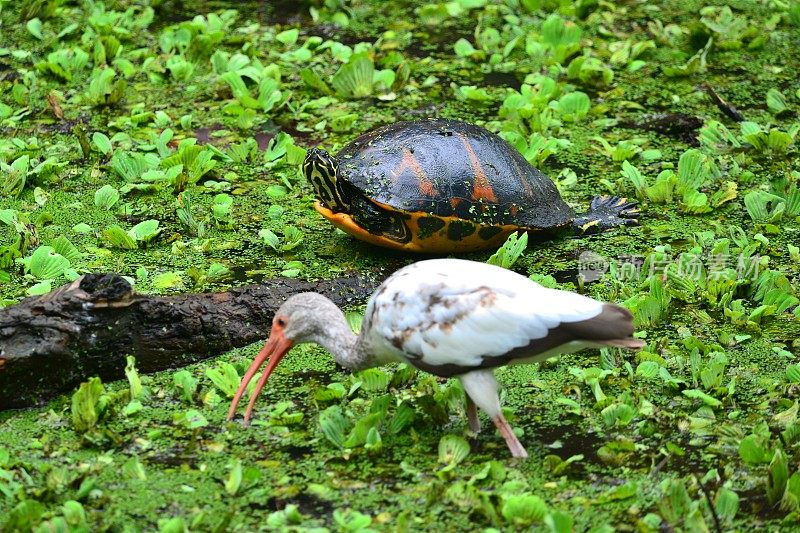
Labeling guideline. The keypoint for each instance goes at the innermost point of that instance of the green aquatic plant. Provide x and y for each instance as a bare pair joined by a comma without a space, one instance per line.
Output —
222,62
242,152
180,68
106,196
696,64
190,419
269,94
314,81
137,392
618,414
185,386
26,515
215,273
676,506
145,231
453,449
592,377
105,88
15,175
119,238
371,379
184,211
140,235
25,170
46,264
198,38
636,178
473,94
88,405
334,425
590,70
524,509
222,210
776,101
528,110
537,148
574,106
777,477
34,27
716,137
463,48
624,150
716,303
730,30
64,63
764,207
131,166
192,163
102,143
355,78
793,12
434,14
627,52
282,150
510,251
26,239
353,521
291,239
167,280
559,39
225,377
769,141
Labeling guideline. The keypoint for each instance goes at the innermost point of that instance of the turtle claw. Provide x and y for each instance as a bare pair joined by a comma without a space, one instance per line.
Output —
615,204
606,212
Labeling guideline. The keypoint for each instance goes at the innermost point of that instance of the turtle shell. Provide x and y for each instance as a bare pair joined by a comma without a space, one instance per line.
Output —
451,169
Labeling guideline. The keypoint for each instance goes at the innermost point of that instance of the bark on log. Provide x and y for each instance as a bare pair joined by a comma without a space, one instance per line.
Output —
50,343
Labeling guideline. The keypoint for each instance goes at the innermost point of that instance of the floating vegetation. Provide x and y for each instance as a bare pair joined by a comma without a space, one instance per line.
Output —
163,141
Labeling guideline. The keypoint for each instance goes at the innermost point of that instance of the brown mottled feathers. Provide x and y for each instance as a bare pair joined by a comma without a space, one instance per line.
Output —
612,327
449,317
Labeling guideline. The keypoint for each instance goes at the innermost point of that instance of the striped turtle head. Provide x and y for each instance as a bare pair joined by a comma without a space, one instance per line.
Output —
321,170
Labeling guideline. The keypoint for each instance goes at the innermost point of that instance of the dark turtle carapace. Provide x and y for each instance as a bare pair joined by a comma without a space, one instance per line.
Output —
442,186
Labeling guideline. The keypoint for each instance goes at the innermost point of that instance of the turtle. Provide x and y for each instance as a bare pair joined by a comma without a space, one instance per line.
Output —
444,186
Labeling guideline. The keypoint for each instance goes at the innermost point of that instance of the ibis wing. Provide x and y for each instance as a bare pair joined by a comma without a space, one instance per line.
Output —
449,316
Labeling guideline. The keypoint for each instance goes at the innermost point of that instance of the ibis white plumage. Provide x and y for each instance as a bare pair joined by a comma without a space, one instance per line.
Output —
452,318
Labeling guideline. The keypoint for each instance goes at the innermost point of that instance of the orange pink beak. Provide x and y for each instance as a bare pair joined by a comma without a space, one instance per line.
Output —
273,351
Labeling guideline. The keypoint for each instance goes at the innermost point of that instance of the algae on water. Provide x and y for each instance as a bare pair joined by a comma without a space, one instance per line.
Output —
162,140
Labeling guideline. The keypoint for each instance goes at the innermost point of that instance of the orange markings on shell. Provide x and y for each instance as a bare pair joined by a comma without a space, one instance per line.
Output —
409,162
481,189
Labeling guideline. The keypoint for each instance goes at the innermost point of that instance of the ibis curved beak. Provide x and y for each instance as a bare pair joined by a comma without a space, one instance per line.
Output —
276,347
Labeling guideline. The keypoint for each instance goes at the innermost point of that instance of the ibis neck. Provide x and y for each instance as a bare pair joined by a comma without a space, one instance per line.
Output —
345,346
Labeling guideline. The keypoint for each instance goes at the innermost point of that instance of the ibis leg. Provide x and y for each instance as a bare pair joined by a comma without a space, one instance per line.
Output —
481,388
472,416
517,450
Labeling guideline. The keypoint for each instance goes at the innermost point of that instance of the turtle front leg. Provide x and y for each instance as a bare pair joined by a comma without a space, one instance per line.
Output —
606,212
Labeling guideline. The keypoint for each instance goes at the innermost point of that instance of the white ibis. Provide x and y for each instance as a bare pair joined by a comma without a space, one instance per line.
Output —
449,317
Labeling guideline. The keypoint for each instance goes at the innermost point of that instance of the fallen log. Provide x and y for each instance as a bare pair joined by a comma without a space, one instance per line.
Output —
50,343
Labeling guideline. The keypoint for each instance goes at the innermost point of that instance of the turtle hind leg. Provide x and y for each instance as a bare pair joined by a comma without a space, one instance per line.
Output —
379,221
606,212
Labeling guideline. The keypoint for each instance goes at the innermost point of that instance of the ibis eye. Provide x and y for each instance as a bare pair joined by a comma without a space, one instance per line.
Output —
282,322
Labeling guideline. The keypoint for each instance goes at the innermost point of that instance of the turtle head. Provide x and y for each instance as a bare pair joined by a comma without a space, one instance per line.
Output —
321,170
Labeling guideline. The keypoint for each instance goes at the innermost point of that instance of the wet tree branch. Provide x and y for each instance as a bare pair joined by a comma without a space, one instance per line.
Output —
50,343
